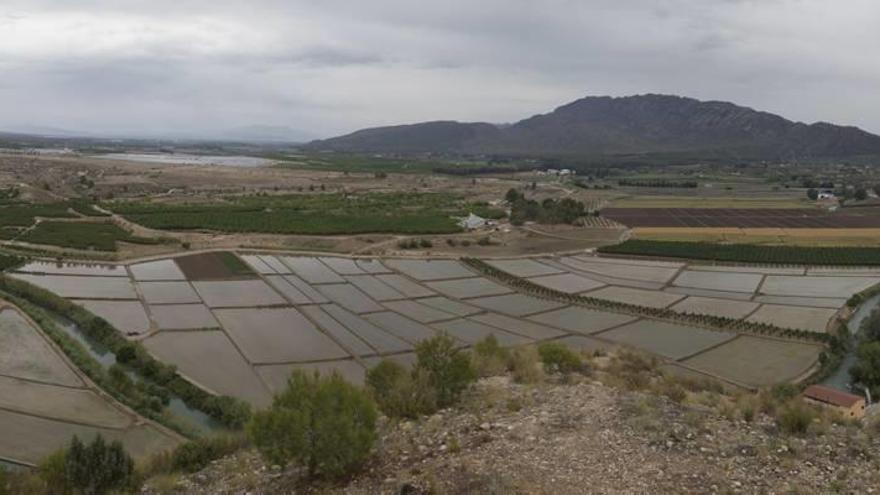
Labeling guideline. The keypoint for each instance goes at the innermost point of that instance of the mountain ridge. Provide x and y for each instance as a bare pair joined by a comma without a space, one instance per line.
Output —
604,125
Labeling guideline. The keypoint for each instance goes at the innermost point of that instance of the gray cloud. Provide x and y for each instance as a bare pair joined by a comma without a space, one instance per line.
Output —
331,66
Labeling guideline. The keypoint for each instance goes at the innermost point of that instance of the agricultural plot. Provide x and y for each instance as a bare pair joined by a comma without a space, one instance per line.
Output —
63,268
811,302
213,266
518,326
471,332
715,294
277,335
405,286
516,304
814,319
587,344
567,282
275,264
757,361
788,218
44,402
183,317
197,354
418,311
647,273
834,287
425,270
376,337
276,375
668,340
349,297
129,317
763,270
524,268
237,293
24,353
156,270
348,340
342,266
581,320
449,306
719,281
312,271
716,307
82,287
257,264
292,293
378,290
402,327
372,266
468,287
168,292
641,297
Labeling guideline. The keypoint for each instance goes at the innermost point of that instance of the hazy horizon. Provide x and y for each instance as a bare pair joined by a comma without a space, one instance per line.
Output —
203,69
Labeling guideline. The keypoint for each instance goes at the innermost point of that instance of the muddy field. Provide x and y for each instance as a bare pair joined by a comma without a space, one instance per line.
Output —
787,218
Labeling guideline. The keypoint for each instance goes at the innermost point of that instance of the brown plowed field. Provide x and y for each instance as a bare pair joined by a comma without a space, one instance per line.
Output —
789,218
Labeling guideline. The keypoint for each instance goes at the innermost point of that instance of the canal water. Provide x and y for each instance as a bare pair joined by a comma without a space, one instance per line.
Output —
177,408
840,379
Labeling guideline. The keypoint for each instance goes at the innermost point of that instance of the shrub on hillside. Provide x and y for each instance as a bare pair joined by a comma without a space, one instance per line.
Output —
525,365
401,393
322,423
94,468
489,358
558,358
447,369
795,417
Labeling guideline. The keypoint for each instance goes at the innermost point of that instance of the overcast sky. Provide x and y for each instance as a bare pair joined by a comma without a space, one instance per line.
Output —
332,66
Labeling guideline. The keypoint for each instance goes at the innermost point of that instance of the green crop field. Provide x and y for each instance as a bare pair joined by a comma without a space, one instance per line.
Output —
316,214
748,253
77,235
366,163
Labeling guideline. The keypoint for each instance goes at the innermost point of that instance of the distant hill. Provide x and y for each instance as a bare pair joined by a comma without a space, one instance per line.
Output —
627,125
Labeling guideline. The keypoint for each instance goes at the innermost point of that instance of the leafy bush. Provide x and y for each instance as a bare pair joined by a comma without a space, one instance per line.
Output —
96,468
447,369
322,423
795,417
558,358
489,358
525,365
401,393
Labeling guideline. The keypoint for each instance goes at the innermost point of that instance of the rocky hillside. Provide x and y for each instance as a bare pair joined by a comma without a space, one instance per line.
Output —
629,125
582,436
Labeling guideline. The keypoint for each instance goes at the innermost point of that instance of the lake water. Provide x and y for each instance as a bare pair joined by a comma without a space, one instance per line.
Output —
186,159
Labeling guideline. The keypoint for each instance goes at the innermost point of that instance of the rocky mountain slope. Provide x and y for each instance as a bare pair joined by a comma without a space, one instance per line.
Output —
580,437
628,125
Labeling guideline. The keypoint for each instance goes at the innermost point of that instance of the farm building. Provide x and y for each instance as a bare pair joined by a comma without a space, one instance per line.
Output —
849,405
472,222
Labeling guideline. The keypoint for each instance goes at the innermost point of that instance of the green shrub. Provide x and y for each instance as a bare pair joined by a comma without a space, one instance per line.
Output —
96,468
401,393
322,423
447,369
193,456
490,359
795,417
558,358
525,365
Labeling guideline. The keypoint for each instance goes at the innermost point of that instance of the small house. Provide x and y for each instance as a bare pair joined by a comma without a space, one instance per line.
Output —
849,405
472,222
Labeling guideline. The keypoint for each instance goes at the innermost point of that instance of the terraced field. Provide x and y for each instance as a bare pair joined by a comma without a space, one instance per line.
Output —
262,315
45,401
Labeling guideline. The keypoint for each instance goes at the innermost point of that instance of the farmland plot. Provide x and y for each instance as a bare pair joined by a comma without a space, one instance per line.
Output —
424,270
183,317
581,320
520,327
418,311
77,405
405,286
449,306
811,302
471,332
666,339
378,290
814,319
567,282
342,266
716,307
714,294
834,287
641,297
275,264
168,292
372,266
295,290
196,355
757,361
401,326
129,317
719,281
377,338
237,293
24,353
646,273
82,287
345,337
56,268
311,270
516,304
276,375
524,267
468,287
349,297
277,335
257,264
156,270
